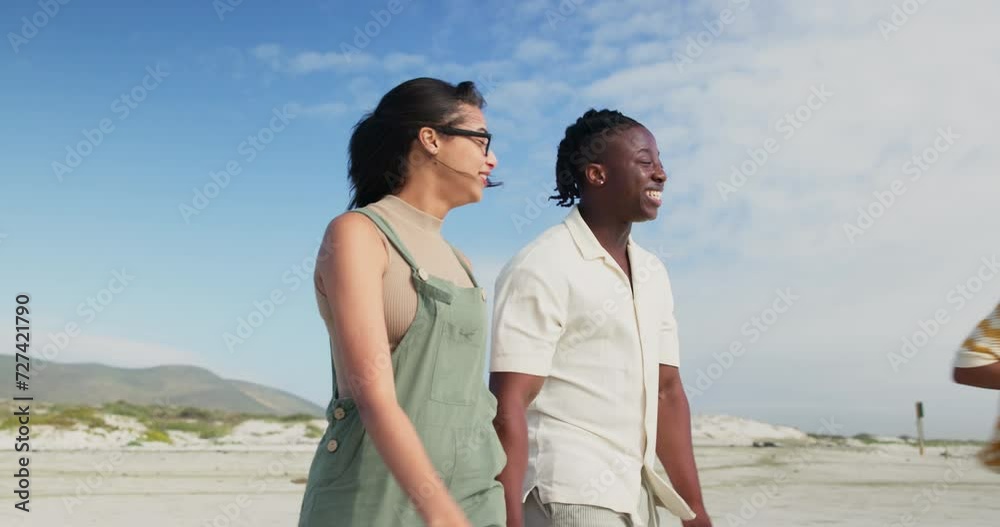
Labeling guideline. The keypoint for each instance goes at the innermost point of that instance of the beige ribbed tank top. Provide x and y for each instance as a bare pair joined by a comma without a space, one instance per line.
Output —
421,234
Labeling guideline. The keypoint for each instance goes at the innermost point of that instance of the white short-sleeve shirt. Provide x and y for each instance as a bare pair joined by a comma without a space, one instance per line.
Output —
566,311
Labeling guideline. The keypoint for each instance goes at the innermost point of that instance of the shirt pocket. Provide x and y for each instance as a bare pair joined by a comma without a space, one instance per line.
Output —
459,361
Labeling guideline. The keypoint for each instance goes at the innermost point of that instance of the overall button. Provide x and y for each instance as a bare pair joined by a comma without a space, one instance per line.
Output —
339,413
332,445
423,274
483,294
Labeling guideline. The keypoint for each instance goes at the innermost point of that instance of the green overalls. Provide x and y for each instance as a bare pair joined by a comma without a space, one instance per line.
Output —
438,367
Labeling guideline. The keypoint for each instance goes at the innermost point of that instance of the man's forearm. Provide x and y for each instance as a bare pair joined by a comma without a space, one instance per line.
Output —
512,429
674,446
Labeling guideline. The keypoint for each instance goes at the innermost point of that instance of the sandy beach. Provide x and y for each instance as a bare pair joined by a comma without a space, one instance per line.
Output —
254,479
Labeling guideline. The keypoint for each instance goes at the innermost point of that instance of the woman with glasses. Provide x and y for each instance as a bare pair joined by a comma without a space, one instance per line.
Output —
410,439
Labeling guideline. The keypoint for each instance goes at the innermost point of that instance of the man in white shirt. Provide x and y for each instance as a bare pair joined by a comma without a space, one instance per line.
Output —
585,350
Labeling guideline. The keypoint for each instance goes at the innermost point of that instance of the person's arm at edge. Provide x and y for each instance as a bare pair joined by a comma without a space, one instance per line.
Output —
987,376
674,447
514,392
352,280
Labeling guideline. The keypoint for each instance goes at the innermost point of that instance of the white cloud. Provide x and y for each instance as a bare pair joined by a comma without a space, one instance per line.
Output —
73,345
312,61
646,52
532,7
269,54
534,49
402,61
329,109
275,57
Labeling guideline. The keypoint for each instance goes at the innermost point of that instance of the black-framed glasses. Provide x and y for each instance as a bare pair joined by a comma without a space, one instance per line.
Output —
450,130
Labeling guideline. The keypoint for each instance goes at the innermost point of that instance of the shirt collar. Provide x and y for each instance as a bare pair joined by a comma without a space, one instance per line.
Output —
584,238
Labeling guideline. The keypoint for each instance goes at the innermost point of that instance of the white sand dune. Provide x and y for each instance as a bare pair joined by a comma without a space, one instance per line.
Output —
708,430
127,432
726,430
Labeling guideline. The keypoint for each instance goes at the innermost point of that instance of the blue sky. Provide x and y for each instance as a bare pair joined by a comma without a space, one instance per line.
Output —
777,121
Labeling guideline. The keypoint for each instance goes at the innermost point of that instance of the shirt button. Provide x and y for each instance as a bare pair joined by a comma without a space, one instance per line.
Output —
422,273
332,445
339,413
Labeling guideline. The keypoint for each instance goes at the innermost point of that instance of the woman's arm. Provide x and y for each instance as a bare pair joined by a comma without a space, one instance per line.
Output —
352,280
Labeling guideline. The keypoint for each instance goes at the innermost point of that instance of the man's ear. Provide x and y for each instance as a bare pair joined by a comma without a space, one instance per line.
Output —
595,174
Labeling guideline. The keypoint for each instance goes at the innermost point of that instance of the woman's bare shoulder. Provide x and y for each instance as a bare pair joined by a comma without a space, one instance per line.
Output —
353,234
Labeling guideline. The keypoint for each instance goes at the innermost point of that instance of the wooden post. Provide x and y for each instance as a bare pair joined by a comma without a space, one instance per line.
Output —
920,426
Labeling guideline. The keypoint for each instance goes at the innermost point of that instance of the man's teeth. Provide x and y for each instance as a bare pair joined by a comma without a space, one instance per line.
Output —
655,194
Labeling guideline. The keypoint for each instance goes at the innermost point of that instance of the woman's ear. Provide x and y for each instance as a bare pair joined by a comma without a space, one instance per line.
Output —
429,139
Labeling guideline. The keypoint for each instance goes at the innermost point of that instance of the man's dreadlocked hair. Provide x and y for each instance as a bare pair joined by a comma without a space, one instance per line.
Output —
585,140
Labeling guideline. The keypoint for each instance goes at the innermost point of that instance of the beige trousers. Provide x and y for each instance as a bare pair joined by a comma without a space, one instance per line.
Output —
538,514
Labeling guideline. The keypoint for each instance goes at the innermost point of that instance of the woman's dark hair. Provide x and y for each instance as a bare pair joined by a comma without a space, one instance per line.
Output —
380,143
585,140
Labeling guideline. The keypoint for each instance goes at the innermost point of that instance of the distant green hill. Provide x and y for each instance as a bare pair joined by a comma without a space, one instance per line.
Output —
96,384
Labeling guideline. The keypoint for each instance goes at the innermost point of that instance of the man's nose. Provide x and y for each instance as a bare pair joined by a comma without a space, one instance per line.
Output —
660,174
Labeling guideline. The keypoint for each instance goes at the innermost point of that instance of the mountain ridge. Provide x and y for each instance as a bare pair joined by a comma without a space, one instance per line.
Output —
93,384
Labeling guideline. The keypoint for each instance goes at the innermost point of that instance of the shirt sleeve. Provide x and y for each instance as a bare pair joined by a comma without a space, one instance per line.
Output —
982,347
670,346
529,314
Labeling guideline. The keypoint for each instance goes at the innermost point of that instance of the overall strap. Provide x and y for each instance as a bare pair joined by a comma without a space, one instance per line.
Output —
391,235
336,388
464,266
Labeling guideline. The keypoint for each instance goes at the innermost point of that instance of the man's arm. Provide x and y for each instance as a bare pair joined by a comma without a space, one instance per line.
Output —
987,376
514,392
673,443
